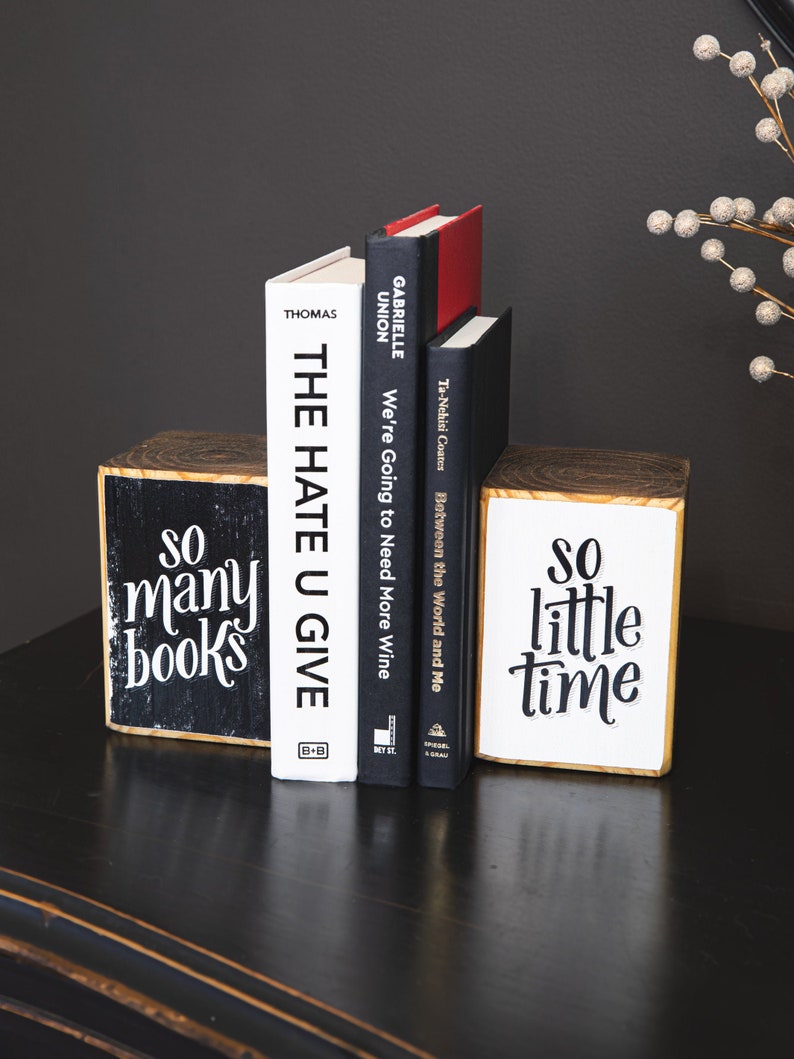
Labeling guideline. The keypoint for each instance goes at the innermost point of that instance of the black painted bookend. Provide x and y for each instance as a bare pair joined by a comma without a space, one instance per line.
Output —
580,567
183,528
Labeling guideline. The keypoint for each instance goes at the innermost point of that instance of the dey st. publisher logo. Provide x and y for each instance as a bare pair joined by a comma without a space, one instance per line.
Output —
385,739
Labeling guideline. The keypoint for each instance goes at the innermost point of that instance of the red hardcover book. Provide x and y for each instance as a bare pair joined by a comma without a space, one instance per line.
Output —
422,272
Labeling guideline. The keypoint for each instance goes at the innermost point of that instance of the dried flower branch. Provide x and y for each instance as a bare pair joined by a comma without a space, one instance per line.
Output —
763,368
739,214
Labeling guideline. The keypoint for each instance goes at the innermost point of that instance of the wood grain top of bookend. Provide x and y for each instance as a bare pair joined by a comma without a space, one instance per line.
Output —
588,473
185,454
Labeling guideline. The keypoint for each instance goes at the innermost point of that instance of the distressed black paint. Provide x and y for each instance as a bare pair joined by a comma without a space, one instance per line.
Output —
196,659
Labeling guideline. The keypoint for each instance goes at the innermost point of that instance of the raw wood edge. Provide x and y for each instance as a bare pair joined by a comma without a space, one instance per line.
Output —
173,733
484,498
186,476
675,634
196,451
671,503
574,766
551,468
103,553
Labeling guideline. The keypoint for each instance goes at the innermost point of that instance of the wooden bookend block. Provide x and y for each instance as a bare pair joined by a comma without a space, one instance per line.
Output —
580,567
183,526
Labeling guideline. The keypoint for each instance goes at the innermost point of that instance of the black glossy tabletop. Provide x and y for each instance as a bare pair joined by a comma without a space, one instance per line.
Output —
529,912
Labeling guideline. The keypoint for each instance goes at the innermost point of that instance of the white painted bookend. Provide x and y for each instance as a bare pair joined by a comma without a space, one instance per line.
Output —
580,566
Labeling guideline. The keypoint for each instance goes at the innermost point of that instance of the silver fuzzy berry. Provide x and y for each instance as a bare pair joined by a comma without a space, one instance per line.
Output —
783,210
686,224
723,210
786,75
706,47
742,280
773,85
767,313
713,250
659,222
767,130
745,209
788,262
742,64
762,368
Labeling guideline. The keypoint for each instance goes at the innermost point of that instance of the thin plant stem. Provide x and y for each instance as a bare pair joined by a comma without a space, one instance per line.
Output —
745,226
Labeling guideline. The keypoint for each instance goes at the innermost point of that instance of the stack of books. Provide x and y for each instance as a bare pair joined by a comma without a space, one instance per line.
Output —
387,404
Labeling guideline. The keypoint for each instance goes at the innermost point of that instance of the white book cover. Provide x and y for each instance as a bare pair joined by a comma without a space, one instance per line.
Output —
313,366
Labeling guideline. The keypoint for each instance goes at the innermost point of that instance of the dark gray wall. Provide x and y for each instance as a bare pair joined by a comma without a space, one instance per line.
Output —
160,160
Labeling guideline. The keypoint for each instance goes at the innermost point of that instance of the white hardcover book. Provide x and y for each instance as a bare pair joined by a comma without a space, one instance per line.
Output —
313,365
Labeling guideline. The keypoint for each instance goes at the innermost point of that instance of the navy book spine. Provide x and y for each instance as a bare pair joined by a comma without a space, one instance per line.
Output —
467,412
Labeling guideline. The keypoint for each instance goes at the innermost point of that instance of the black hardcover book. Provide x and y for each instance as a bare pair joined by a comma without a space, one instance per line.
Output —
422,272
467,413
